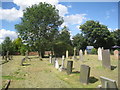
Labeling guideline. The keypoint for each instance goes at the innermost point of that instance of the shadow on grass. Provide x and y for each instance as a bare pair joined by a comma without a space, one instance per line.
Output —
4,62
93,80
26,64
75,72
113,67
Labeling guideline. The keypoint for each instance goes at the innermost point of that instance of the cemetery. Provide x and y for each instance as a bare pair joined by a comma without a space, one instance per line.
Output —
61,72
47,54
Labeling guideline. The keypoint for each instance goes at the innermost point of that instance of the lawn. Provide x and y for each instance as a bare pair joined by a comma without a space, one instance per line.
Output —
42,74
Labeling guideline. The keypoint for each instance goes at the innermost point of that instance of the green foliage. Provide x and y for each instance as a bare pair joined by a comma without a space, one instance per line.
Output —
39,26
79,41
97,34
23,49
94,51
7,45
116,35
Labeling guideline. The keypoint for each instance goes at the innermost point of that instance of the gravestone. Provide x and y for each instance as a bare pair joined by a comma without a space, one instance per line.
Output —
84,74
74,57
85,52
67,54
63,60
108,83
81,55
22,62
116,54
56,64
50,58
106,59
26,54
100,53
69,67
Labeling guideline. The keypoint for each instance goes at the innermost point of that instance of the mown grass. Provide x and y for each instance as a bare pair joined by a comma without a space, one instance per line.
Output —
43,74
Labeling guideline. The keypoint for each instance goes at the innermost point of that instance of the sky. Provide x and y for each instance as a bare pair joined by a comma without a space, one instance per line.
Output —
73,13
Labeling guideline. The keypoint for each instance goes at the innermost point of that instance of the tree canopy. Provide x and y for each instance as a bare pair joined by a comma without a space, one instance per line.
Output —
39,26
97,34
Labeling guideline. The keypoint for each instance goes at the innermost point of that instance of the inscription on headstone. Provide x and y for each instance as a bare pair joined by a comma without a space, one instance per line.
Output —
106,59
84,74
69,67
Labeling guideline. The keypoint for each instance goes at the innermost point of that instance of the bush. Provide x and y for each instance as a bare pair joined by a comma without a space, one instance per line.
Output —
23,49
94,51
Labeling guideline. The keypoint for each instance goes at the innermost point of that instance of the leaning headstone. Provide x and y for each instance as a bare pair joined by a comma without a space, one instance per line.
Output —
81,55
50,58
116,54
69,67
106,59
85,52
108,83
56,64
22,62
67,54
84,74
100,53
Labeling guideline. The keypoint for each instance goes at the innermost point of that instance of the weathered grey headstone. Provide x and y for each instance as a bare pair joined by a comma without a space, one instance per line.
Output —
26,54
56,64
108,83
84,74
81,55
50,58
69,67
116,54
85,52
100,53
67,54
106,59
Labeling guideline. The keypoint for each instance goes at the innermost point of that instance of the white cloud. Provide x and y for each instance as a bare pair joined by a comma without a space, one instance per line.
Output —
7,33
74,19
10,14
14,14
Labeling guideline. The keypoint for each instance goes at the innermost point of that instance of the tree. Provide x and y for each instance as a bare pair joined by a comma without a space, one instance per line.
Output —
39,26
97,34
7,45
116,35
63,42
79,41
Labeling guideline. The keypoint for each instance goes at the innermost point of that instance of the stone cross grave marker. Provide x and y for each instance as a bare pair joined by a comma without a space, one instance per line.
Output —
99,53
84,74
50,58
108,83
116,54
81,55
69,67
67,54
106,59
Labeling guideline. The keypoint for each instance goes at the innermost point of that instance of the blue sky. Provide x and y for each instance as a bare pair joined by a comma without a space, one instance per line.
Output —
74,14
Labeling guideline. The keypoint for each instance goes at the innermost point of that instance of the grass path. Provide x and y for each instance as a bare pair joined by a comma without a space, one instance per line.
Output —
38,74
